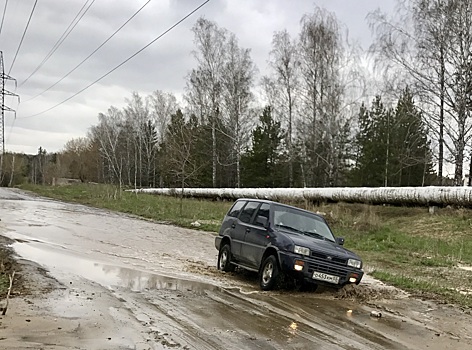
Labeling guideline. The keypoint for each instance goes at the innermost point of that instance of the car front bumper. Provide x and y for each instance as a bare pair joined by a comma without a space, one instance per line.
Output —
308,266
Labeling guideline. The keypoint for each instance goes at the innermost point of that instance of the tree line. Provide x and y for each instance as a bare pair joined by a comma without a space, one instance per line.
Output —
390,148
314,120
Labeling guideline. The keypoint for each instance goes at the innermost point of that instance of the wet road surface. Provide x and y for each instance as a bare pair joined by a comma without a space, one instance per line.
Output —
127,283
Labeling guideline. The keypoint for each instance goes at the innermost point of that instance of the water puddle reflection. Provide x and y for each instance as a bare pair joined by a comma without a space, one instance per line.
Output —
110,276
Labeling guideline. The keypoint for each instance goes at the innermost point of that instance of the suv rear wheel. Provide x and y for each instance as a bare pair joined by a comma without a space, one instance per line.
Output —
269,273
224,259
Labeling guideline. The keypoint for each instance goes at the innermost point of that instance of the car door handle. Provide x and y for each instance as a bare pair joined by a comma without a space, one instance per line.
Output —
233,226
248,229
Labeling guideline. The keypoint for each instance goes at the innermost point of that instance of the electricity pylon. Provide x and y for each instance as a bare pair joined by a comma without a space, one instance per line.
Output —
3,93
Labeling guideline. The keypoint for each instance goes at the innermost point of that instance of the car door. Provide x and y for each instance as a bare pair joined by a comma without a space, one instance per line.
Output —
256,238
242,226
229,226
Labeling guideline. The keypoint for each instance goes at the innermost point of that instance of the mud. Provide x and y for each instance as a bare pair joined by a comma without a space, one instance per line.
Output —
115,282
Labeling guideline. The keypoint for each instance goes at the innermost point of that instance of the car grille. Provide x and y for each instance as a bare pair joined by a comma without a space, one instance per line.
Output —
320,263
324,257
330,269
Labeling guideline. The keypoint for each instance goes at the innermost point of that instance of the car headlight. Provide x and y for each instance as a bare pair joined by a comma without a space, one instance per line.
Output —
354,263
301,250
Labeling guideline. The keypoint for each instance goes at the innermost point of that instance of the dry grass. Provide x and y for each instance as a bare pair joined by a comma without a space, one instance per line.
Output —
4,281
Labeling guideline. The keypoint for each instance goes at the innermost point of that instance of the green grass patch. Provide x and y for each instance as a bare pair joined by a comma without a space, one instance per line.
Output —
407,247
406,282
410,248
426,288
160,208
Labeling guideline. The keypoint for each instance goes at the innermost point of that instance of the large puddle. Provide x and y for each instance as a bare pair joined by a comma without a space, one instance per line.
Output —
297,309
61,264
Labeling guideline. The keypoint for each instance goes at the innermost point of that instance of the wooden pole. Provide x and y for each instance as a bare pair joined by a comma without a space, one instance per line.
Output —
9,291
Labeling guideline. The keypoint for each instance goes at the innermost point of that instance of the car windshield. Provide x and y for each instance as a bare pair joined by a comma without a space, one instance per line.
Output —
293,220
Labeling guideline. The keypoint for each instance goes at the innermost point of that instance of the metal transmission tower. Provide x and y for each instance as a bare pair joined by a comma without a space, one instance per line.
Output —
3,93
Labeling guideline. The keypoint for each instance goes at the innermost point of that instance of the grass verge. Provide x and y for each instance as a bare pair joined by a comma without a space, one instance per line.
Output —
7,266
159,208
403,246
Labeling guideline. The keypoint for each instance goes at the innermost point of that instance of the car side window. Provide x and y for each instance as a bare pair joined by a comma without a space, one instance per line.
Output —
236,209
248,212
264,211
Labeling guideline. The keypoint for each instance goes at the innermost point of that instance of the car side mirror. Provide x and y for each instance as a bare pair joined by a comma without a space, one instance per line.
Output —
340,240
262,221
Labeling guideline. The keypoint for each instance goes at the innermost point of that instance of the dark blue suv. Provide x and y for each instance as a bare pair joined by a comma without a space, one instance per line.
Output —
274,239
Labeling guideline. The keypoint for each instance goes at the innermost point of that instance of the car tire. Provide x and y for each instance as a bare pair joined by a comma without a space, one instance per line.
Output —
269,273
224,259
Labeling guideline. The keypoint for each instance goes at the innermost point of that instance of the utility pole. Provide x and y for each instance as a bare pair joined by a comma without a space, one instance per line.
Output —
3,93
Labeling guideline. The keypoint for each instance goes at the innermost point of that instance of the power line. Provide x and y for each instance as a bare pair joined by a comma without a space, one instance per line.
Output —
3,109
23,36
86,58
122,63
3,16
62,38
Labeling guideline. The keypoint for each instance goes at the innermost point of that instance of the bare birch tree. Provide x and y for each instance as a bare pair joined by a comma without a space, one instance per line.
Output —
204,84
459,88
137,115
237,80
281,87
162,105
323,126
108,133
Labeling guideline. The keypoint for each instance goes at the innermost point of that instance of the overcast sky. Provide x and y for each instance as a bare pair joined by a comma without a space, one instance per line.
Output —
163,66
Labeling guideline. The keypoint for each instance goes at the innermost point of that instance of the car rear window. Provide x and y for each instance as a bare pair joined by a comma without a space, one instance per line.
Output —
248,211
236,208
264,211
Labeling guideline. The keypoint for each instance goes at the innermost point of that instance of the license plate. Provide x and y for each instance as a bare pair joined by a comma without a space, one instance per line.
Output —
325,277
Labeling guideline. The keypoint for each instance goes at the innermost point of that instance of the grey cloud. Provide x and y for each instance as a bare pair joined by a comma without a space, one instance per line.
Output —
162,66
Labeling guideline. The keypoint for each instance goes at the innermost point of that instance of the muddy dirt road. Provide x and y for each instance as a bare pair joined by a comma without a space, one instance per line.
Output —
125,283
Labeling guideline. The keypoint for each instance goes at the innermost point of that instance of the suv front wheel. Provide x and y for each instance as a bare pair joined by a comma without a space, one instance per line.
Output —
269,273
224,259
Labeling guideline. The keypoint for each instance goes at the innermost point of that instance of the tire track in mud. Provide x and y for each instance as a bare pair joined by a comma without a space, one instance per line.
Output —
313,325
218,318
167,324
395,330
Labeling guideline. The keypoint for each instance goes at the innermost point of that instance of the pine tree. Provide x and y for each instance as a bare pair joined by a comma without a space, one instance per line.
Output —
261,164
373,145
412,147
393,147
